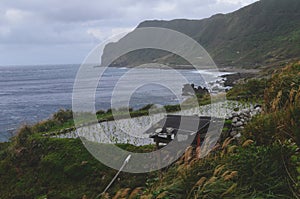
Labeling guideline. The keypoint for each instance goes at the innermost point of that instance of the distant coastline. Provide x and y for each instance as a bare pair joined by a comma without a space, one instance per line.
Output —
27,99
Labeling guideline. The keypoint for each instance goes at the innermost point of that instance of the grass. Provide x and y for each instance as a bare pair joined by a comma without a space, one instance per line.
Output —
62,121
245,172
32,167
281,120
250,91
264,163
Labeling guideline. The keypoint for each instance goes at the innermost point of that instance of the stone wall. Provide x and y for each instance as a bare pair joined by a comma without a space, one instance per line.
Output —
241,118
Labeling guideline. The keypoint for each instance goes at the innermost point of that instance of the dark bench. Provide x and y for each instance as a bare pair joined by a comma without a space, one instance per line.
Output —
181,128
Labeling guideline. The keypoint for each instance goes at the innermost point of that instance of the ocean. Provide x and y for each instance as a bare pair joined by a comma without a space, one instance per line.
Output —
29,94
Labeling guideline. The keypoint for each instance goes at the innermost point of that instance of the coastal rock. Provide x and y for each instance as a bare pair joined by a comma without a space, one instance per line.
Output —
240,118
191,89
235,114
258,109
238,124
232,79
235,119
240,128
237,136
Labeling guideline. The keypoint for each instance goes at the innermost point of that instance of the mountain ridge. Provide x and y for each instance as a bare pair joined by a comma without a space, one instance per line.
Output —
266,32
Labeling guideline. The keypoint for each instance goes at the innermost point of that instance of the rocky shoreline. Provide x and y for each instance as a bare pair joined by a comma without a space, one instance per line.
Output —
237,75
232,79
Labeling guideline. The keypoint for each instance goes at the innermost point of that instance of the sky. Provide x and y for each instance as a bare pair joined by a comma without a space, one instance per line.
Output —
34,32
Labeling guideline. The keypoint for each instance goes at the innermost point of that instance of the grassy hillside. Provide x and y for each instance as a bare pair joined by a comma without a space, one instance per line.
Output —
264,163
264,33
38,167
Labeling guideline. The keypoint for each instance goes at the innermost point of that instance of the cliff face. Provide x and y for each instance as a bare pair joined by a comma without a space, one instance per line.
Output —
263,33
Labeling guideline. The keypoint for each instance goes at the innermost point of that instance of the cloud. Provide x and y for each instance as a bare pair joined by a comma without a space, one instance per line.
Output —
15,16
229,1
73,25
165,7
96,33
235,2
4,31
121,31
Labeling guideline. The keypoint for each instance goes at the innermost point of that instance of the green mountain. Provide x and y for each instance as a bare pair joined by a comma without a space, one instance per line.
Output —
264,33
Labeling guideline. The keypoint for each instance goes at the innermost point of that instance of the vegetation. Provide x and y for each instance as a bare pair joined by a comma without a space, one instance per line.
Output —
264,163
62,121
59,120
263,33
38,167
231,171
250,91
282,108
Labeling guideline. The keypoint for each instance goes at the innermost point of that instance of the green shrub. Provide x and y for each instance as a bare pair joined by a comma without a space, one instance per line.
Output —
262,129
22,135
281,118
100,112
53,161
78,171
269,127
262,171
283,89
63,115
146,107
293,123
252,90
45,125
172,108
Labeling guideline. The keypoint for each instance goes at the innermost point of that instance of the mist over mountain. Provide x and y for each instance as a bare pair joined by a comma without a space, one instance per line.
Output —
264,33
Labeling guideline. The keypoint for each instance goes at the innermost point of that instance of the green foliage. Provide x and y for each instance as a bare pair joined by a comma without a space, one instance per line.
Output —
57,168
266,32
252,90
46,125
283,89
294,116
172,108
262,129
78,171
62,121
262,170
32,166
59,120
100,112
227,122
247,172
63,115
22,135
146,108
295,163
281,119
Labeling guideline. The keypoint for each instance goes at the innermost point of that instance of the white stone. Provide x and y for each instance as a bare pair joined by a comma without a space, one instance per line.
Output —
235,114
238,124
237,135
234,120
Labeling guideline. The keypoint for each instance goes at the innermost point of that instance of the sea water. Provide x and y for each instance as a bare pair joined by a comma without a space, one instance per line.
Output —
29,94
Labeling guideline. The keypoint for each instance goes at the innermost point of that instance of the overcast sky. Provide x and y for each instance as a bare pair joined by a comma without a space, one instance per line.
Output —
64,31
